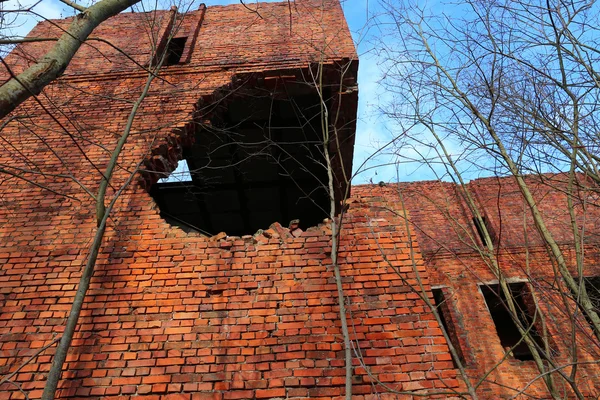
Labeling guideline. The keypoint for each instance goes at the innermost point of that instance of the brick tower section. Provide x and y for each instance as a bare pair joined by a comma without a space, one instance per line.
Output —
175,315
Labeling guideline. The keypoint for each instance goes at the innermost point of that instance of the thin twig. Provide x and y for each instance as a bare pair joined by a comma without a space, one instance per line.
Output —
24,363
74,5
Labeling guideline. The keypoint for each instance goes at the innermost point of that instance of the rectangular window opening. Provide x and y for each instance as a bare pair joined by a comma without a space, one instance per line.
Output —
505,326
592,288
443,310
175,50
481,231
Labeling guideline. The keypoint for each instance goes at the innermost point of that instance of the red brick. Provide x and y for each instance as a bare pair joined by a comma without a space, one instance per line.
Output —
270,393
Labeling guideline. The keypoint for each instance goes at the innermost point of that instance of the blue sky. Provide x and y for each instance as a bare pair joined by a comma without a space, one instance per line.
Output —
372,129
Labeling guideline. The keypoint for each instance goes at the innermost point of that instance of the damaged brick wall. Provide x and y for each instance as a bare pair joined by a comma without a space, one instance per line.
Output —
173,315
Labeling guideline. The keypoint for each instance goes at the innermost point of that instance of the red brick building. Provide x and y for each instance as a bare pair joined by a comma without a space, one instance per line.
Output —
463,280
207,286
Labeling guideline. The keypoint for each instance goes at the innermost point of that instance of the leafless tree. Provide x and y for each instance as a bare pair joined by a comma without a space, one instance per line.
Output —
29,83
32,80
510,89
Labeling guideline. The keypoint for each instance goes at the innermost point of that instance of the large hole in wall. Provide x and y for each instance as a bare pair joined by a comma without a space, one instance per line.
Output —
261,161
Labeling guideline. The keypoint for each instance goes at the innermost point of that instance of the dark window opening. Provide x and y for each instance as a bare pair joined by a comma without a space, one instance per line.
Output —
443,310
175,50
260,162
505,326
480,230
592,288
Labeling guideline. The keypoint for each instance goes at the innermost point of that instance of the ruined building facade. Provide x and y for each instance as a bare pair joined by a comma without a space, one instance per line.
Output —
217,283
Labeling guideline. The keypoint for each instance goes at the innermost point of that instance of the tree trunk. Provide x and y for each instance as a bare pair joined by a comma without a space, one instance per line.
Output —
31,81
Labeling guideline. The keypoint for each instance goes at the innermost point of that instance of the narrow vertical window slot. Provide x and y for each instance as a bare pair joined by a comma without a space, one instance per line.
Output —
592,288
481,227
175,50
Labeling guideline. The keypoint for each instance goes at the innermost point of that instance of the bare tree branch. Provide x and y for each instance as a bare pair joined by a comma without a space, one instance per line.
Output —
74,5
52,64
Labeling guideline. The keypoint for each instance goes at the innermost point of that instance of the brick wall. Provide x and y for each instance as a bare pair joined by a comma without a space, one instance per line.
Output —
450,244
172,315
